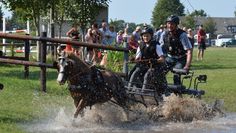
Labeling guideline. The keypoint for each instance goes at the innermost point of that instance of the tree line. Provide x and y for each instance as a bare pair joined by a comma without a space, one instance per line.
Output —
84,12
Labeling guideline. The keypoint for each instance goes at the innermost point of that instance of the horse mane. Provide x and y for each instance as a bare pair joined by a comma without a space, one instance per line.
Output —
78,62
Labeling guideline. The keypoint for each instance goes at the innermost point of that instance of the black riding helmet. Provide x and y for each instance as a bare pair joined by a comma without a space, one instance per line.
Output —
147,30
174,19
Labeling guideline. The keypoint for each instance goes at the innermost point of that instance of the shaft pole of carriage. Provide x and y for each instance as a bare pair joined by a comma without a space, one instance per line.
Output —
126,57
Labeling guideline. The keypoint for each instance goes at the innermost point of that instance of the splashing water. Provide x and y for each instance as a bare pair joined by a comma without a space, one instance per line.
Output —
174,115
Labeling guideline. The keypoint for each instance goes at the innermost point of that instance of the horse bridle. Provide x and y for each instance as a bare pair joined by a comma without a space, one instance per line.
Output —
63,62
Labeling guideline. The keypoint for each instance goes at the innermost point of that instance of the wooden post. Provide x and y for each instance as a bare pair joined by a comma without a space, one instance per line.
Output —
43,54
126,58
27,53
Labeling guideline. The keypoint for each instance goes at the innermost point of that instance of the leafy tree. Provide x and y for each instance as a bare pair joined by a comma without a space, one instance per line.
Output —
165,8
29,9
210,25
188,21
85,11
1,15
118,24
60,12
17,21
199,13
235,13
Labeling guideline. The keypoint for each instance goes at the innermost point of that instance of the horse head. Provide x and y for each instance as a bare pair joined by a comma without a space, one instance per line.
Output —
64,68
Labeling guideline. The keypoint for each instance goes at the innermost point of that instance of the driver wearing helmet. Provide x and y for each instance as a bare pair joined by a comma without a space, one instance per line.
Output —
150,61
177,45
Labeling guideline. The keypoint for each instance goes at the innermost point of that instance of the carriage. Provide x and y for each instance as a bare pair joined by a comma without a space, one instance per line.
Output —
188,79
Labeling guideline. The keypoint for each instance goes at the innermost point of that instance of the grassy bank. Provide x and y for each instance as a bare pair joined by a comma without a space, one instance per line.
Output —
21,101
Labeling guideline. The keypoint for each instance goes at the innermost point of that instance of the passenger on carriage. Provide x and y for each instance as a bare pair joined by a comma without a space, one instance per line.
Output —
150,62
177,46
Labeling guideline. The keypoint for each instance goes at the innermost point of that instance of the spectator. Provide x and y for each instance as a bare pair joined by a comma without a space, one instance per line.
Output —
158,33
136,34
97,39
119,37
133,45
89,38
126,35
201,39
74,34
190,36
112,36
105,33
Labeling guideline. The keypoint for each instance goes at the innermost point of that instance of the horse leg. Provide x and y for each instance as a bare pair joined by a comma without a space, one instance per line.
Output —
79,107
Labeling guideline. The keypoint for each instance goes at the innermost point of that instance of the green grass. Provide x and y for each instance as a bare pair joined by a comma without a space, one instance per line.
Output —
21,101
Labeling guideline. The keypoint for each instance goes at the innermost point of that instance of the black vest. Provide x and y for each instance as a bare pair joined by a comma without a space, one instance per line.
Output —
175,47
150,51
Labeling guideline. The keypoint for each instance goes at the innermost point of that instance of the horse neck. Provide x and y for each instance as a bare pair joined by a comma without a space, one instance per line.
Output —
79,69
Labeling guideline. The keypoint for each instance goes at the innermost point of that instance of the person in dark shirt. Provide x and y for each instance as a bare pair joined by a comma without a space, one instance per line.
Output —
177,45
150,62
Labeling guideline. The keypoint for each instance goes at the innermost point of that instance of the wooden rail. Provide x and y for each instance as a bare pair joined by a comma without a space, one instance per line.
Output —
43,47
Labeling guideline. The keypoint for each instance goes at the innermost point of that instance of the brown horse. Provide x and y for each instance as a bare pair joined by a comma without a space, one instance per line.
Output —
88,85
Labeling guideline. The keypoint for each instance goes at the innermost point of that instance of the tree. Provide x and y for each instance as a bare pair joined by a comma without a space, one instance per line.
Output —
17,21
188,21
210,25
198,13
165,8
85,11
60,12
29,9
1,15
235,13
118,24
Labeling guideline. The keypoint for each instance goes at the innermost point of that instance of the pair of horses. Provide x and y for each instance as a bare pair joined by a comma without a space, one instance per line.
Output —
89,85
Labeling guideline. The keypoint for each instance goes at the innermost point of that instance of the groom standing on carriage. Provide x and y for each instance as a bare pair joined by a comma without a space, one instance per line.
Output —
150,62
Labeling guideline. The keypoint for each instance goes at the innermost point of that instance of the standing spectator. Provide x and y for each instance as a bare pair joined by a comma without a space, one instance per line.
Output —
190,36
201,39
133,45
136,34
119,37
105,33
112,37
178,46
126,35
89,38
97,39
158,33
98,33
74,34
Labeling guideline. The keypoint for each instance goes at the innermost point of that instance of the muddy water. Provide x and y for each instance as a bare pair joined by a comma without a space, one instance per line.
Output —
175,115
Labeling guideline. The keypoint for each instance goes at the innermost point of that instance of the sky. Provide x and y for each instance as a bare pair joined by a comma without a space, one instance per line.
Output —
140,11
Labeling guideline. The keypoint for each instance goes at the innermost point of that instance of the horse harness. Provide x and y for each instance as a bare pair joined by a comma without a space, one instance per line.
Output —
85,78
91,86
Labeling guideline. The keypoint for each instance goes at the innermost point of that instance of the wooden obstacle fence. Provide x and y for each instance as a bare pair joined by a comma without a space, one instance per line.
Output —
43,52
